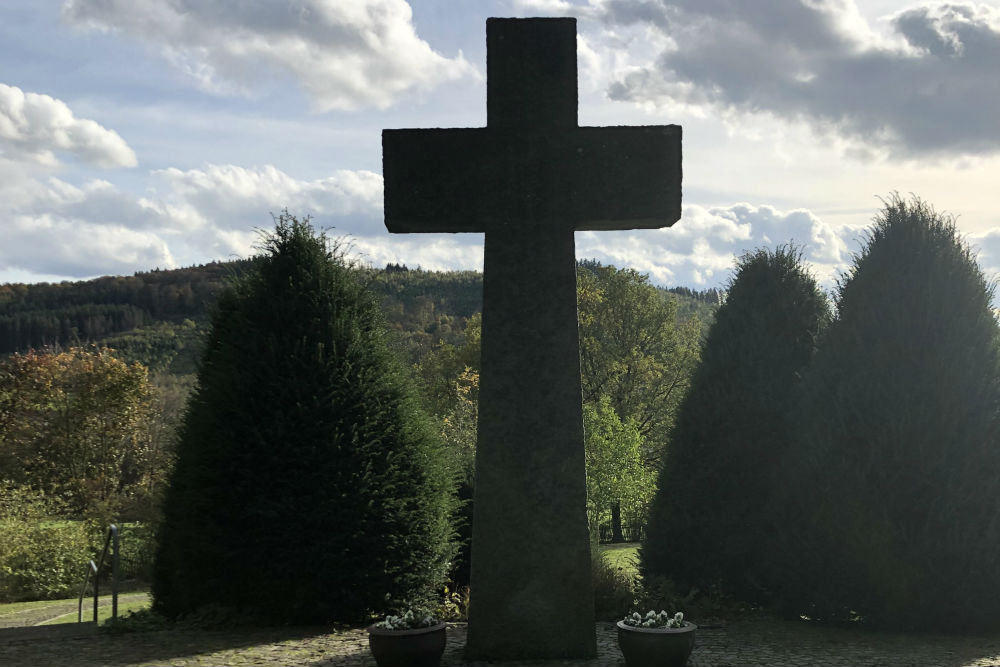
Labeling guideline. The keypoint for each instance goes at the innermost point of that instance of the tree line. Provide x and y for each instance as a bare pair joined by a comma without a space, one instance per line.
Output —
422,307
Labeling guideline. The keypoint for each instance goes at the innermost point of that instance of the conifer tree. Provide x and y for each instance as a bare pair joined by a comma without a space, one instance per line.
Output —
309,487
892,510
708,522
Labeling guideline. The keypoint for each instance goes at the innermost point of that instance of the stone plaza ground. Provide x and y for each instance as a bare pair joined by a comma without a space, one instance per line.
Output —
751,643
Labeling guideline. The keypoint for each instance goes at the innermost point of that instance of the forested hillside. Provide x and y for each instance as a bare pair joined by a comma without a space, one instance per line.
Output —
155,317
638,344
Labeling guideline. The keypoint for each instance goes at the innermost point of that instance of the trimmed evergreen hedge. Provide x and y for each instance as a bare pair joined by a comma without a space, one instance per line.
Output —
309,486
891,509
709,522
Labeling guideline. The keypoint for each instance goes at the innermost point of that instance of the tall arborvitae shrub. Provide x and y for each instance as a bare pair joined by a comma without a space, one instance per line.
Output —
708,526
309,487
892,511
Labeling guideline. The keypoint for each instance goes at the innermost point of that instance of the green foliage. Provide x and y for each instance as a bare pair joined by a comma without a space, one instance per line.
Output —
442,367
40,557
448,376
163,347
616,473
633,349
892,510
709,522
67,313
309,487
426,308
615,587
136,551
149,315
635,353
453,605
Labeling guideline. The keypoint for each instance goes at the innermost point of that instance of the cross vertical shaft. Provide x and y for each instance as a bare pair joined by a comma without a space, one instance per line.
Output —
528,180
530,544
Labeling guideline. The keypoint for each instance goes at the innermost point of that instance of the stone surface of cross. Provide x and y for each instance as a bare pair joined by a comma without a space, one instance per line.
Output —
529,179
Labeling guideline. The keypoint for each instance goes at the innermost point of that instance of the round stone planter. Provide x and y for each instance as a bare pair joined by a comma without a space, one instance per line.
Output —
656,647
420,647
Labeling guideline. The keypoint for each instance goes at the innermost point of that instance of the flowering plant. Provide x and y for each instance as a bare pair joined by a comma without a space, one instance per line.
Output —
408,621
654,620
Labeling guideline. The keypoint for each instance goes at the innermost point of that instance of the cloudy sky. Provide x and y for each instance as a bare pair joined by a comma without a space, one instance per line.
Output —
137,134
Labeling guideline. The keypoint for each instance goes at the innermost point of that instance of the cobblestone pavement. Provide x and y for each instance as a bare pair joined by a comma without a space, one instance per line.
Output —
746,643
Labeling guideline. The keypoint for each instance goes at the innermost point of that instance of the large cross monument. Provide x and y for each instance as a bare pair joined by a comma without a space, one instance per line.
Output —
529,179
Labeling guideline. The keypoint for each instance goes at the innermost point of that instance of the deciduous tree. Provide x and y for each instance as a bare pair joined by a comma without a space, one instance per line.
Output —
635,353
617,478
76,424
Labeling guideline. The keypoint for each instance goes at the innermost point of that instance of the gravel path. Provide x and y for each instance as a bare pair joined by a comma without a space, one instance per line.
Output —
747,643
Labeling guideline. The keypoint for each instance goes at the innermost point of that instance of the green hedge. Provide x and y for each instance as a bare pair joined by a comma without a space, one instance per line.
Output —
40,558
309,486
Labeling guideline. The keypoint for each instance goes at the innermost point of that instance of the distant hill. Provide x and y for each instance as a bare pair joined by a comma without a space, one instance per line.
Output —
157,317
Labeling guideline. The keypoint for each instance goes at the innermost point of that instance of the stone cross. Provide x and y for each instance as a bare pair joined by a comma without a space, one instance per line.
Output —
529,179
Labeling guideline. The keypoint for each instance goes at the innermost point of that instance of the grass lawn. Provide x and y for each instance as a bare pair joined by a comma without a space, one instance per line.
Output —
126,602
624,555
49,612
10,608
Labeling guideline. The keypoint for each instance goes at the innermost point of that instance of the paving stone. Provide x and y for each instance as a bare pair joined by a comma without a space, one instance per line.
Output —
742,644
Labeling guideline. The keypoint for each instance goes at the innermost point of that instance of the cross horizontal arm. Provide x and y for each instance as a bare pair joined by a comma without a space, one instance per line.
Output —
487,179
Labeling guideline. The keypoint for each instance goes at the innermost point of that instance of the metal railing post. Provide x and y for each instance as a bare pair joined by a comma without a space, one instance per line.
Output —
83,592
114,573
97,585
94,569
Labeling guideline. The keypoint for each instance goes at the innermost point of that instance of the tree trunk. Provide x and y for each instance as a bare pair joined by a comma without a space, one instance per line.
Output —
616,523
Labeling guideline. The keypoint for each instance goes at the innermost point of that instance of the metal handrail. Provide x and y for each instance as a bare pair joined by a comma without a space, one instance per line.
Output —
94,568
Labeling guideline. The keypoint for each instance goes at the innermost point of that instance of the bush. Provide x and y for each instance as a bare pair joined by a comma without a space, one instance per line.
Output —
41,558
614,588
137,549
709,521
892,504
309,487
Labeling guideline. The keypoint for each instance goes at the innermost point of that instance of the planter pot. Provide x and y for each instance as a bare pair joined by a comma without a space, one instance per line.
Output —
656,647
420,647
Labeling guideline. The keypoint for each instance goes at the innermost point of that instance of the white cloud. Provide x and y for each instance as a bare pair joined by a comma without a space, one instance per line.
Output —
699,251
987,248
345,55
198,215
432,252
52,245
560,7
235,197
35,127
926,88
193,216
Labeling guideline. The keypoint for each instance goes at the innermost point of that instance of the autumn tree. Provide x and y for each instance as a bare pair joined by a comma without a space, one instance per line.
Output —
76,425
309,485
